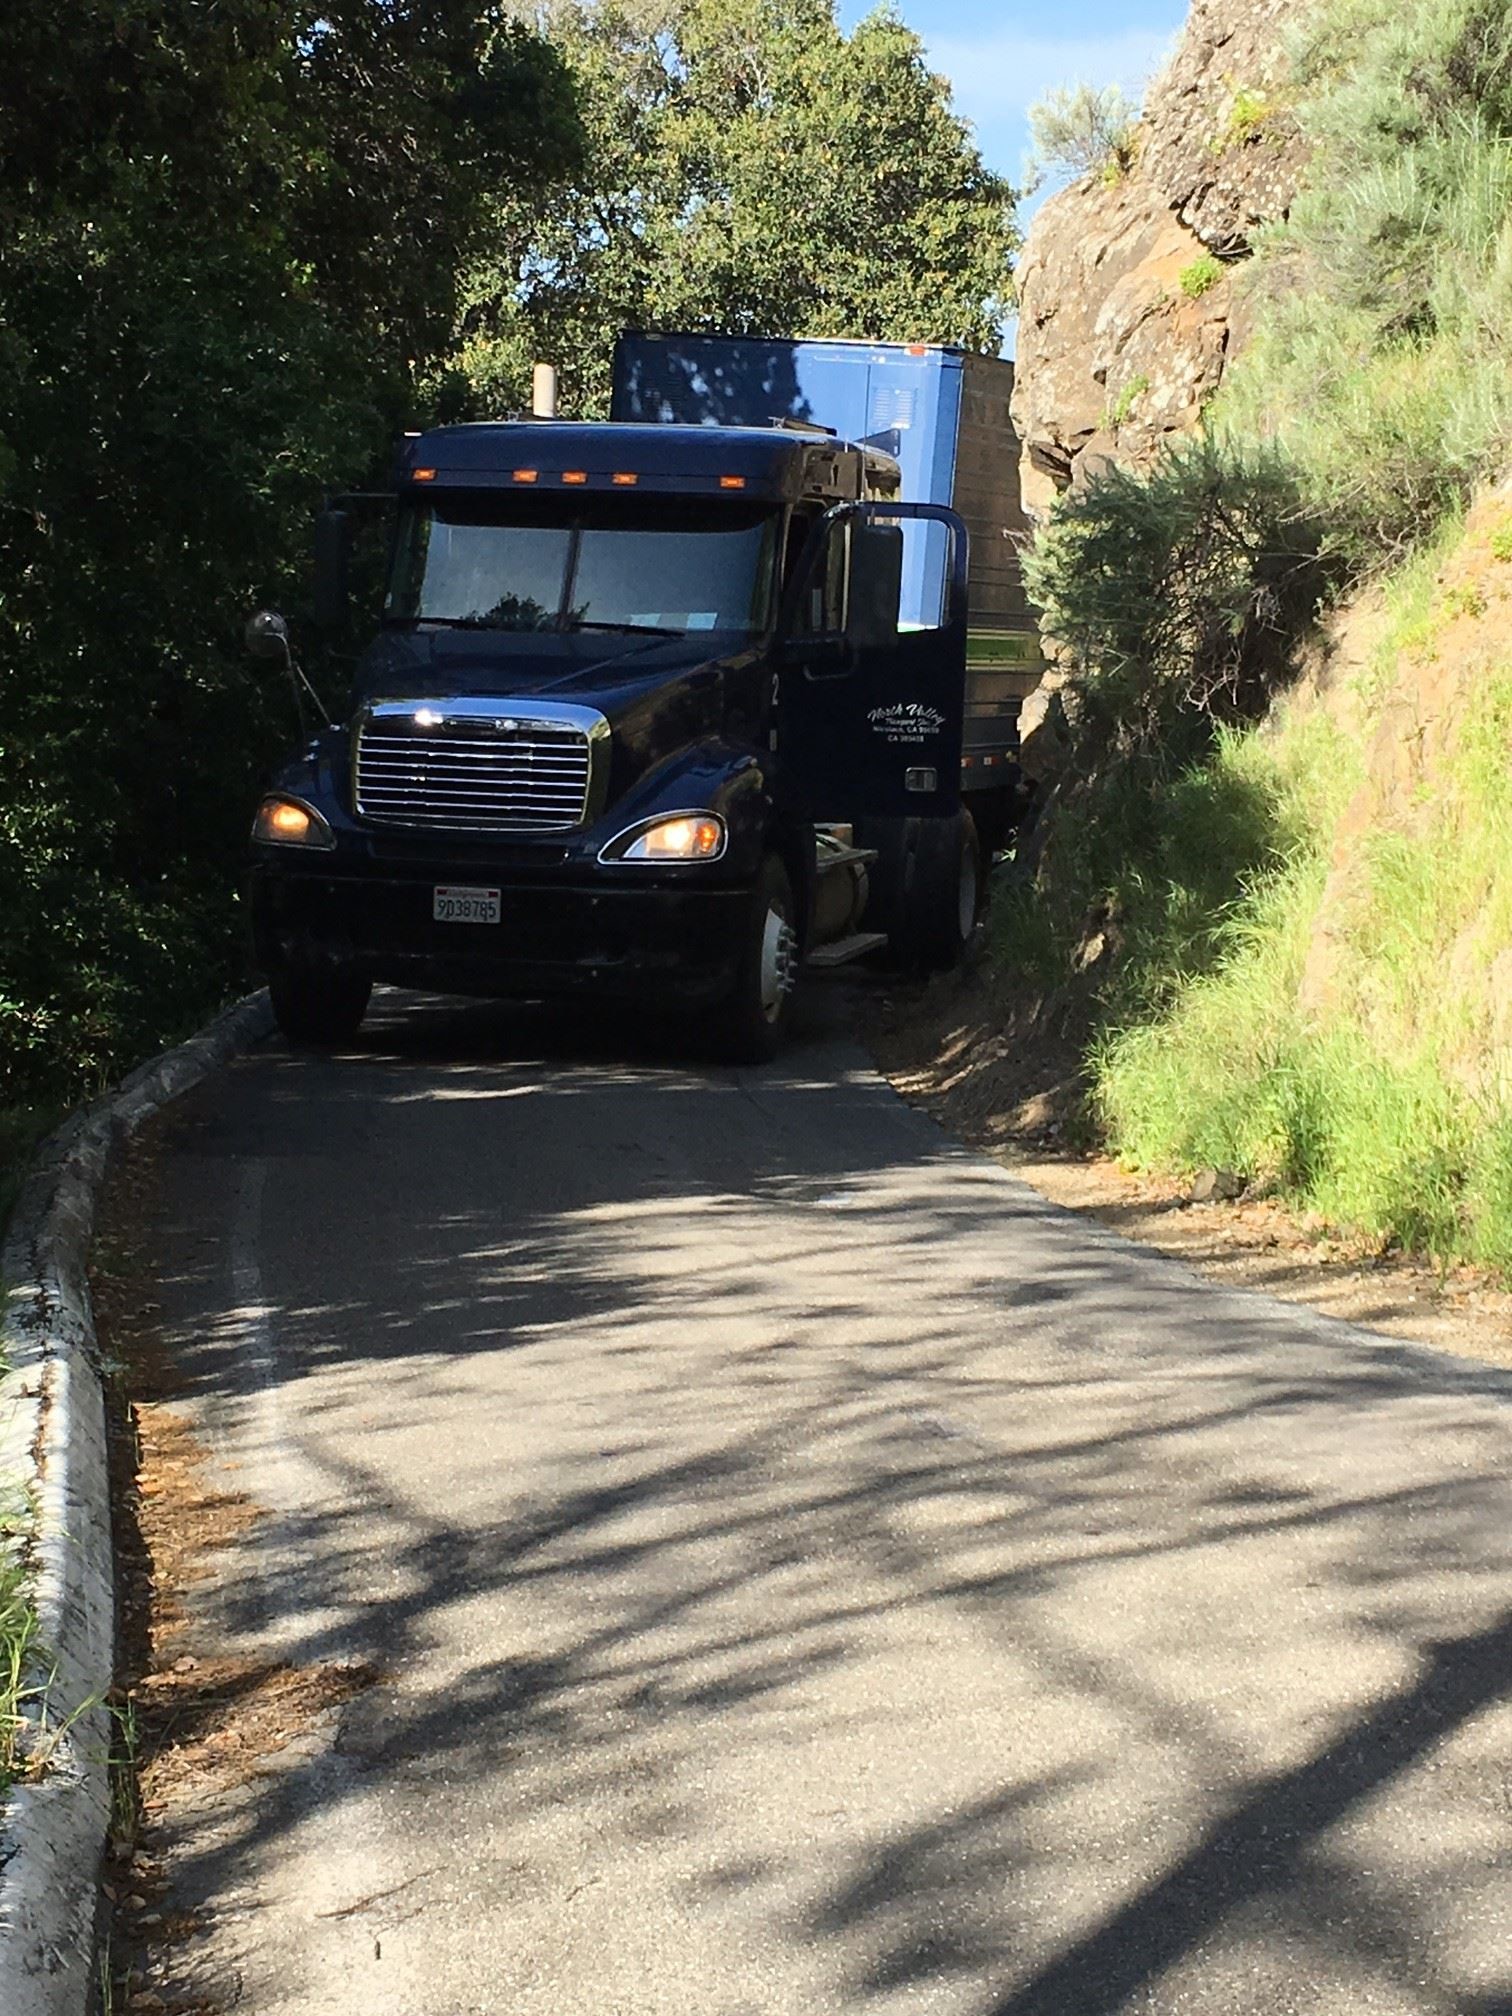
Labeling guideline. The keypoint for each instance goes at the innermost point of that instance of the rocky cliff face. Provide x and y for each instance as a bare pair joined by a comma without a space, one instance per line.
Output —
1129,286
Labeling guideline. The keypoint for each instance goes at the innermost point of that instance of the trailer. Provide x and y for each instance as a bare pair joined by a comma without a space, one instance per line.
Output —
944,415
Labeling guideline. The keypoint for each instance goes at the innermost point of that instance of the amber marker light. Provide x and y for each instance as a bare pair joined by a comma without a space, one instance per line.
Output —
574,475
526,475
626,478
425,475
732,482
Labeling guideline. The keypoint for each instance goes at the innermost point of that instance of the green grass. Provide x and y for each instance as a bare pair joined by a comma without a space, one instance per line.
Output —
21,1128
1122,408
1412,600
18,1630
1366,1084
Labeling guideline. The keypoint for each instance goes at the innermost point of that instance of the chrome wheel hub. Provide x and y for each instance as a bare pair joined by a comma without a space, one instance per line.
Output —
779,962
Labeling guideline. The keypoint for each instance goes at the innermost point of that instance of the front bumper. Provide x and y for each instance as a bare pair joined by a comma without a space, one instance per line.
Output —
554,939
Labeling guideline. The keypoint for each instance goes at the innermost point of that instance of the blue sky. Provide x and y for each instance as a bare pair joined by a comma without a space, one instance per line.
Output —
1001,55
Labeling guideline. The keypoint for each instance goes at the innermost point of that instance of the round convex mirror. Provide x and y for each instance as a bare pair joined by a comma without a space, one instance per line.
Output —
266,635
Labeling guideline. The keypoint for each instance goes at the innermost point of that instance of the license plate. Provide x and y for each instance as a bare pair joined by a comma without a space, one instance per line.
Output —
451,905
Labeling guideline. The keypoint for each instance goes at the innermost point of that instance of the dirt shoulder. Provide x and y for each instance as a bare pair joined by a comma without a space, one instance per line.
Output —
1009,1084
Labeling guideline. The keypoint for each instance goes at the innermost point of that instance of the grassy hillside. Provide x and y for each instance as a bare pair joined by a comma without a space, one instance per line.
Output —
1309,887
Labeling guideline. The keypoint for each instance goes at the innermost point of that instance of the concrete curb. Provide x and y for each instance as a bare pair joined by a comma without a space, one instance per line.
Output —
52,1437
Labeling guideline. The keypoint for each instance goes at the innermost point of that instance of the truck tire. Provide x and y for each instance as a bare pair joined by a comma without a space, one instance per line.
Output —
887,875
752,1020
318,1007
942,897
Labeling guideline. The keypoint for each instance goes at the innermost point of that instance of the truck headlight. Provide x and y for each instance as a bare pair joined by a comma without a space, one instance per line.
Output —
289,823
685,836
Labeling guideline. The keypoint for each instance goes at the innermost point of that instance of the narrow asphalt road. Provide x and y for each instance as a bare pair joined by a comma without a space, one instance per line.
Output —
810,1573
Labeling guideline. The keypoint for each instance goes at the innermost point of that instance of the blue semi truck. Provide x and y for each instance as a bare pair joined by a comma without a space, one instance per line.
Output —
665,707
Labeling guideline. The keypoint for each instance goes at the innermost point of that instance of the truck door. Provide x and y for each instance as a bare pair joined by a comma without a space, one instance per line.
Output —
871,650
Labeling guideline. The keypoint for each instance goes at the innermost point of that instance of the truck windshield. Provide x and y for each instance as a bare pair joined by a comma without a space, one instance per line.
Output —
479,560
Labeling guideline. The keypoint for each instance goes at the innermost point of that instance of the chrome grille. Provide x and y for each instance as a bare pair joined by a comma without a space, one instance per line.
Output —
474,772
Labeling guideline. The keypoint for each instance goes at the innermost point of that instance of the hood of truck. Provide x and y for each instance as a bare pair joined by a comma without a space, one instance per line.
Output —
614,673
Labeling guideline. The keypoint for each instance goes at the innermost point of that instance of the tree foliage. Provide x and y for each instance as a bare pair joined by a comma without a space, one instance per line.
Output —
749,169
237,244
230,237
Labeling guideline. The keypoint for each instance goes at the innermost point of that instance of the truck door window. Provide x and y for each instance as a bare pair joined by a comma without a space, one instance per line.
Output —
800,525
822,613
878,581
926,574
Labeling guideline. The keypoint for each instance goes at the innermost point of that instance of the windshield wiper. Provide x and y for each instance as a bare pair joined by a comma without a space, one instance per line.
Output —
632,629
486,623
536,629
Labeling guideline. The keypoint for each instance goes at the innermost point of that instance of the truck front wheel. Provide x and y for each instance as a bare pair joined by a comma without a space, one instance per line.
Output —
752,1020
318,1006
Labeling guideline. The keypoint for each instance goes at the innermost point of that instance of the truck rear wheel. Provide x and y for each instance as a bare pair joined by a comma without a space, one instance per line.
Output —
942,897
752,1020
318,1006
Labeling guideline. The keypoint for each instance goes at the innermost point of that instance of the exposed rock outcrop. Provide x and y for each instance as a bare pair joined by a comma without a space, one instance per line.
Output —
1217,142
1129,308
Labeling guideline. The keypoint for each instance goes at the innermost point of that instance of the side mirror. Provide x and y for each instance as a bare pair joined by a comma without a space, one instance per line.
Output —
876,587
267,636
333,567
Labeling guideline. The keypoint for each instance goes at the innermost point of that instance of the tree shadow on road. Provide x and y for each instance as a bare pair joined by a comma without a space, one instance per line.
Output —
735,1480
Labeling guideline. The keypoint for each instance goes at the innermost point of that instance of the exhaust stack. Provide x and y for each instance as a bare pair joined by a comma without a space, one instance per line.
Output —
543,392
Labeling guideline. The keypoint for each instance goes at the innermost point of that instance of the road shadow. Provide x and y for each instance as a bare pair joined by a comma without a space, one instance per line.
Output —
672,1435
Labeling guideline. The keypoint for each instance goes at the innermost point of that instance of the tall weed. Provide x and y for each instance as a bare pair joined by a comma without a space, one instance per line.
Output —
1378,1096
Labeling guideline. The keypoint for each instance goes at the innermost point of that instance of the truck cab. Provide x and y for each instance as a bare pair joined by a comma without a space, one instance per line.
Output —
653,713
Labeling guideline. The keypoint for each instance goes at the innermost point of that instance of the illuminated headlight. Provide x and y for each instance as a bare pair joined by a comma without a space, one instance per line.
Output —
289,824
687,836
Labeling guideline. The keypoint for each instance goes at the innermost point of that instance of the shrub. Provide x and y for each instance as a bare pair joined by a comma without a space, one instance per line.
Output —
1201,277
1081,129
1382,366
1248,113
1177,595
